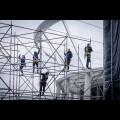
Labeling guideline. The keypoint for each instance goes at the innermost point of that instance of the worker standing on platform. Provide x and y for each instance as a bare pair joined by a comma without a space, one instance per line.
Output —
35,59
23,64
68,58
43,82
88,50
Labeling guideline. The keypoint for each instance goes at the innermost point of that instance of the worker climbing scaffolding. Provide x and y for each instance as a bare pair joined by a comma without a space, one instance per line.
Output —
88,50
68,58
23,64
35,60
43,82
49,41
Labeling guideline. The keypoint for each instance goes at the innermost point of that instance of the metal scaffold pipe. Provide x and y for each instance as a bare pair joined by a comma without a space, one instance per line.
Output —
24,87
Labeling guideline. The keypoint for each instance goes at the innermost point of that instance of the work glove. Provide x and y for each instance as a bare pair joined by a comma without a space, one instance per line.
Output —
19,55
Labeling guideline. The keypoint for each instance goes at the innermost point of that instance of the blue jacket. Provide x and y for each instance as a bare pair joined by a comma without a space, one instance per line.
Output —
23,61
69,55
36,54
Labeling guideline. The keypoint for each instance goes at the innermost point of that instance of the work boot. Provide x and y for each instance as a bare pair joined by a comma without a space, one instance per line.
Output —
43,93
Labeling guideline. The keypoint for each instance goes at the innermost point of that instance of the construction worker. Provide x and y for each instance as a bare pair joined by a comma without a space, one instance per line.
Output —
23,64
43,82
88,50
68,58
35,59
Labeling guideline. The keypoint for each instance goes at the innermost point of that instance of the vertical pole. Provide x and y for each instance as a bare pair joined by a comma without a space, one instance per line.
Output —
78,67
17,72
87,88
32,86
66,85
98,92
14,68
64,69
40,60
67,88
19,76
10,60
58,91
54,74
90,54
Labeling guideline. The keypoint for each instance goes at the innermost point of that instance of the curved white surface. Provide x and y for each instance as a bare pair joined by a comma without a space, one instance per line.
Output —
43,27
72,77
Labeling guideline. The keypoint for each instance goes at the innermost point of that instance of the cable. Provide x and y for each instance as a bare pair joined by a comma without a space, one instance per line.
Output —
90,24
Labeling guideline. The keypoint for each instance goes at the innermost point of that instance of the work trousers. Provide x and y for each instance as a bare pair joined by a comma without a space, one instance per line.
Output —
35,63
21,68
87,64
42,87
67,63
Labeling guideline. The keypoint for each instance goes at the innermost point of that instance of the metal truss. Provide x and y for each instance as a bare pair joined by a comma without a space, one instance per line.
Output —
15,84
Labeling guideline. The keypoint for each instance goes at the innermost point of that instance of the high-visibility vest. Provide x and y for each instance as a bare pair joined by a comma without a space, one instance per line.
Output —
87,53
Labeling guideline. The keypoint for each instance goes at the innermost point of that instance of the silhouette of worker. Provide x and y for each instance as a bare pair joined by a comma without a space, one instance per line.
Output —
68,58
23,64
43,82
35,60
88,50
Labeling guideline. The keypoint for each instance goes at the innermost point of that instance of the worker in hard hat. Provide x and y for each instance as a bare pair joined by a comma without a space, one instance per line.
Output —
23,64
68,58
35,60
88,50
43,82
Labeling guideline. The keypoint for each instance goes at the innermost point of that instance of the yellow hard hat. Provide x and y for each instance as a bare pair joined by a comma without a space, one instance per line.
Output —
68,48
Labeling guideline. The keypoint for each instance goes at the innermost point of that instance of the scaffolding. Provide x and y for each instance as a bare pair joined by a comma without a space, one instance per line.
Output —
16,87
